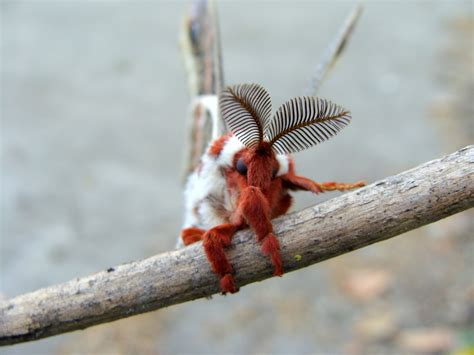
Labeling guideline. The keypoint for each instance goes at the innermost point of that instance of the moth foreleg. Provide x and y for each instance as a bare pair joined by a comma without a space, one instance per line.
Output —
192,235
340,186
294,182
255,209
215,240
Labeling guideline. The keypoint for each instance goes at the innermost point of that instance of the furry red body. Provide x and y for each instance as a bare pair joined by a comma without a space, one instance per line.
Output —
257,183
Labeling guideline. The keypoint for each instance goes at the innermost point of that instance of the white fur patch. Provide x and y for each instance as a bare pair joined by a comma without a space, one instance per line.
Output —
284,164
231,146
208,181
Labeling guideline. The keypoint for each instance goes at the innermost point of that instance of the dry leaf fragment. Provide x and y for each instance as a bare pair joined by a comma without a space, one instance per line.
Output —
426,340
366,285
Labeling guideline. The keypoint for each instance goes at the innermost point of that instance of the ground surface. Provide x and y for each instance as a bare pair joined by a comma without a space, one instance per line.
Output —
93,99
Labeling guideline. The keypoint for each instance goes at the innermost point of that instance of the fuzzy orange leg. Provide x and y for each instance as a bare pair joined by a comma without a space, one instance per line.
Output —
271,247
214,242
284,204
192,235
255,209
301,183
340,186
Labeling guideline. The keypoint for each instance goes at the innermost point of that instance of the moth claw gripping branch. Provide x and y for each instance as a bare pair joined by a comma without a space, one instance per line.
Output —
244,178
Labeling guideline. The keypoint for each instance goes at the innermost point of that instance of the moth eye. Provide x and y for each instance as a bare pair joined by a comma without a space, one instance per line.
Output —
274,172
241,167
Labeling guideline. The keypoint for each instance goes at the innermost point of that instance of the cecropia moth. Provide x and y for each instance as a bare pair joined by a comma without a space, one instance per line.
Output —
245,177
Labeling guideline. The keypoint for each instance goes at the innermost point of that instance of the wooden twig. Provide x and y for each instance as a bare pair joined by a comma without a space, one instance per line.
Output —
377,212
201,49
333,52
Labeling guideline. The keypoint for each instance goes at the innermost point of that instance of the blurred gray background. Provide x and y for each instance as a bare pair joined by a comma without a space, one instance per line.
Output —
93,100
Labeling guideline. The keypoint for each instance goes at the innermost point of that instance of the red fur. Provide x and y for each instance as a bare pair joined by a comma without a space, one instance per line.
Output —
228,284
234,180
283,205
214,242
192,235
254,207
218,145
274,195
340,186
260,162
261,197
271,247
293,182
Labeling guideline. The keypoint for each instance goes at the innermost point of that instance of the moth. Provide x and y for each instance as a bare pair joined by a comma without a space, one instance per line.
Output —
245,177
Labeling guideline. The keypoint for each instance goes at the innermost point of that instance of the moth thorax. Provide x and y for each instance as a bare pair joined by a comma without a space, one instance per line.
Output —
260,167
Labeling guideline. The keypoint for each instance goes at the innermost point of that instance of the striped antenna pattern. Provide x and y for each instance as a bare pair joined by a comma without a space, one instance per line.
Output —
246,109
304,122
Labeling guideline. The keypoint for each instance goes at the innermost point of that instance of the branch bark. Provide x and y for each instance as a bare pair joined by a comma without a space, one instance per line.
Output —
377,212
201,50
333,51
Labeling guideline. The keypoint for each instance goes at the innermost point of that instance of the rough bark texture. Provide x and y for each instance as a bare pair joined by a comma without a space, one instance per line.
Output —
201,49
377,212
333,51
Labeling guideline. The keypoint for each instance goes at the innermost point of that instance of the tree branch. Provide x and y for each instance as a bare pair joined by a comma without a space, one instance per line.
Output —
377,212
201,50
333,51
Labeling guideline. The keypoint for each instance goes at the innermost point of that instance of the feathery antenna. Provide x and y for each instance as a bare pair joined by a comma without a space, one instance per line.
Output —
246,109
304,122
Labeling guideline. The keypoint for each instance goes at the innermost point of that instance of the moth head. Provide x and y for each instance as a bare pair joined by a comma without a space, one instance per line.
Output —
298,124
258,165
